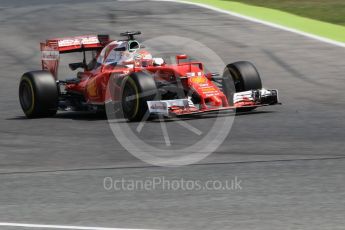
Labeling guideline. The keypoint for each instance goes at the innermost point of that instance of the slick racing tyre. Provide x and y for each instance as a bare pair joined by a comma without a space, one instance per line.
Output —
238,77
137,89
38,94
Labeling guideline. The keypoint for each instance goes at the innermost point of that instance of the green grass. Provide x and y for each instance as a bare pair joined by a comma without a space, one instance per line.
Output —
322,18
332,11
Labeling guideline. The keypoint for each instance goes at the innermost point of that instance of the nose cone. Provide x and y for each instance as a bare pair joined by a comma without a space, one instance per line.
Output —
216,101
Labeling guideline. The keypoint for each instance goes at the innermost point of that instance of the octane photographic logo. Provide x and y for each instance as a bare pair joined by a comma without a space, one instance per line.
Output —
174,141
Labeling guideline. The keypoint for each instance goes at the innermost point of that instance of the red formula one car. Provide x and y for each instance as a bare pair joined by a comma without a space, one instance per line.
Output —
122,72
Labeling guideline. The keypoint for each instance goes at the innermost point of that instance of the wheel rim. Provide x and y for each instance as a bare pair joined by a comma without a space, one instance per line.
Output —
26,96
130,100
237,81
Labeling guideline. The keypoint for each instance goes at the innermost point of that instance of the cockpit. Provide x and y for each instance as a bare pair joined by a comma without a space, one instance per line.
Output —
124,53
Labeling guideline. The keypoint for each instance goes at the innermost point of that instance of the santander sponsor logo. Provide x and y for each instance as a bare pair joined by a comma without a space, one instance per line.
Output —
161,106
78,41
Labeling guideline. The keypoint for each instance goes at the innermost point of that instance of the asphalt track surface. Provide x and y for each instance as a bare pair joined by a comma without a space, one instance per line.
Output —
290,158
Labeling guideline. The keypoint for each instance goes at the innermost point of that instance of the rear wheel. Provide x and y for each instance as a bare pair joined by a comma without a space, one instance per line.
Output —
38,94
238,77
137,89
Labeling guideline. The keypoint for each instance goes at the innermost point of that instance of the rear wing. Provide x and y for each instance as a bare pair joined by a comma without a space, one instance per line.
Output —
52,48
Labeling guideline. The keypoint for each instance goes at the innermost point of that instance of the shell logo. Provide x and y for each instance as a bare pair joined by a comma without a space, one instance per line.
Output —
199,80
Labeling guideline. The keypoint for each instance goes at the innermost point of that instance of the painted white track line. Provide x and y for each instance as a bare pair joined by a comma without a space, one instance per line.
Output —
322,39
22,225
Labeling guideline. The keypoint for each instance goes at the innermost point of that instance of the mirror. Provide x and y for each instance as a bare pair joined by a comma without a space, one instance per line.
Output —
74,66
181,56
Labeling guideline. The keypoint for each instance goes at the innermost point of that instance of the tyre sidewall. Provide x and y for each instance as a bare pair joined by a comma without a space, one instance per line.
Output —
146,90
44,93
247,73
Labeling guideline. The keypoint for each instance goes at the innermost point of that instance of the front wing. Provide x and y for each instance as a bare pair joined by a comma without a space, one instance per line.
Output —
243,100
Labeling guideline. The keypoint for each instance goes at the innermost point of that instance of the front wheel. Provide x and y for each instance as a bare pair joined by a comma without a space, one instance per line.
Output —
138,88
239,77
38,94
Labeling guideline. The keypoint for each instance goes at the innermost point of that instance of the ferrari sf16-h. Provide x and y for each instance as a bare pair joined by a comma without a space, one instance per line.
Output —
123,72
